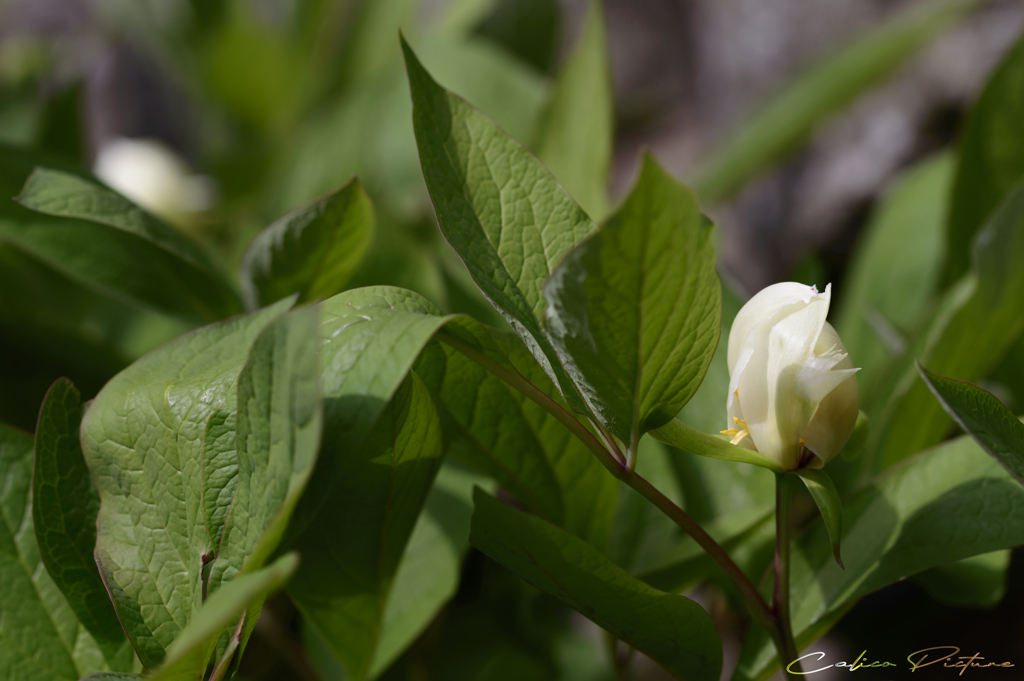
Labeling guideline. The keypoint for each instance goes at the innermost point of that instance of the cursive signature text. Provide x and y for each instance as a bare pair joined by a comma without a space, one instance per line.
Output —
920,658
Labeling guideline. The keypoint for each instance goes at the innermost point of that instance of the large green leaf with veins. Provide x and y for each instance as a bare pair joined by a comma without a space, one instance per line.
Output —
370,338
671,629
278,438
499,432
574,132
945,504
312,251
236,606
499,208
159,440
64,509
114,246
352,549
984,417
634,310
40,637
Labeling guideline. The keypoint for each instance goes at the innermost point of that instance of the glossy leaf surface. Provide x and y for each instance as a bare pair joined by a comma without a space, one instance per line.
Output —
159,440
499,208
634,310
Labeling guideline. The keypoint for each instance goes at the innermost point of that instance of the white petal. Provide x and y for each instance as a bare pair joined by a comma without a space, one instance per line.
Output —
833,422
732,403
783,348
765,305
754,386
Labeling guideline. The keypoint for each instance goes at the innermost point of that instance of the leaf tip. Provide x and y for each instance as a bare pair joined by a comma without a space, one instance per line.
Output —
412,62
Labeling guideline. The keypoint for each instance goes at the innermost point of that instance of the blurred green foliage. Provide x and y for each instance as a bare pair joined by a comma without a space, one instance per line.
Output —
282,104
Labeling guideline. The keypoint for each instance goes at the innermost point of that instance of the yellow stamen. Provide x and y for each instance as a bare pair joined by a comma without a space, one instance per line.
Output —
737,434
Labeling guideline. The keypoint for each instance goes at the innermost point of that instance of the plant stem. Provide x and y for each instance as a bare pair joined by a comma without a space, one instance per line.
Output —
756,605
523,385
611,645
780,605
225,661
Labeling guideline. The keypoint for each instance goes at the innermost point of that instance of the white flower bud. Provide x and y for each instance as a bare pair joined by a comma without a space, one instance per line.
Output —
792,387
155,178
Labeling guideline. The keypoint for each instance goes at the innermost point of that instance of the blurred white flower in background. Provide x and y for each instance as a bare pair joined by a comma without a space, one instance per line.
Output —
154,177
792,388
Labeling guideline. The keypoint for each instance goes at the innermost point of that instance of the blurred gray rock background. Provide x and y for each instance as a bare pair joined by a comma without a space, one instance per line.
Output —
688,72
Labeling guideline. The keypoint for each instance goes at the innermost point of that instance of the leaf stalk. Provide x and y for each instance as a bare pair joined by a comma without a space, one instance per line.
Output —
752,599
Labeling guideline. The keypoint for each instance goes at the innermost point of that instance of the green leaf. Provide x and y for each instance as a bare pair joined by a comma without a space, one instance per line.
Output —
312,251
944,504
280,418
734,501
634,311
529,29
367,130
154,439
716,482
64,515
671,629
975,582
428,574
498,207
979,331
352,549
677,434
991,159
371,338
234,604
574,133
496,430
790,118
54,324
40,638
115,247
984,417
825,495
895,269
